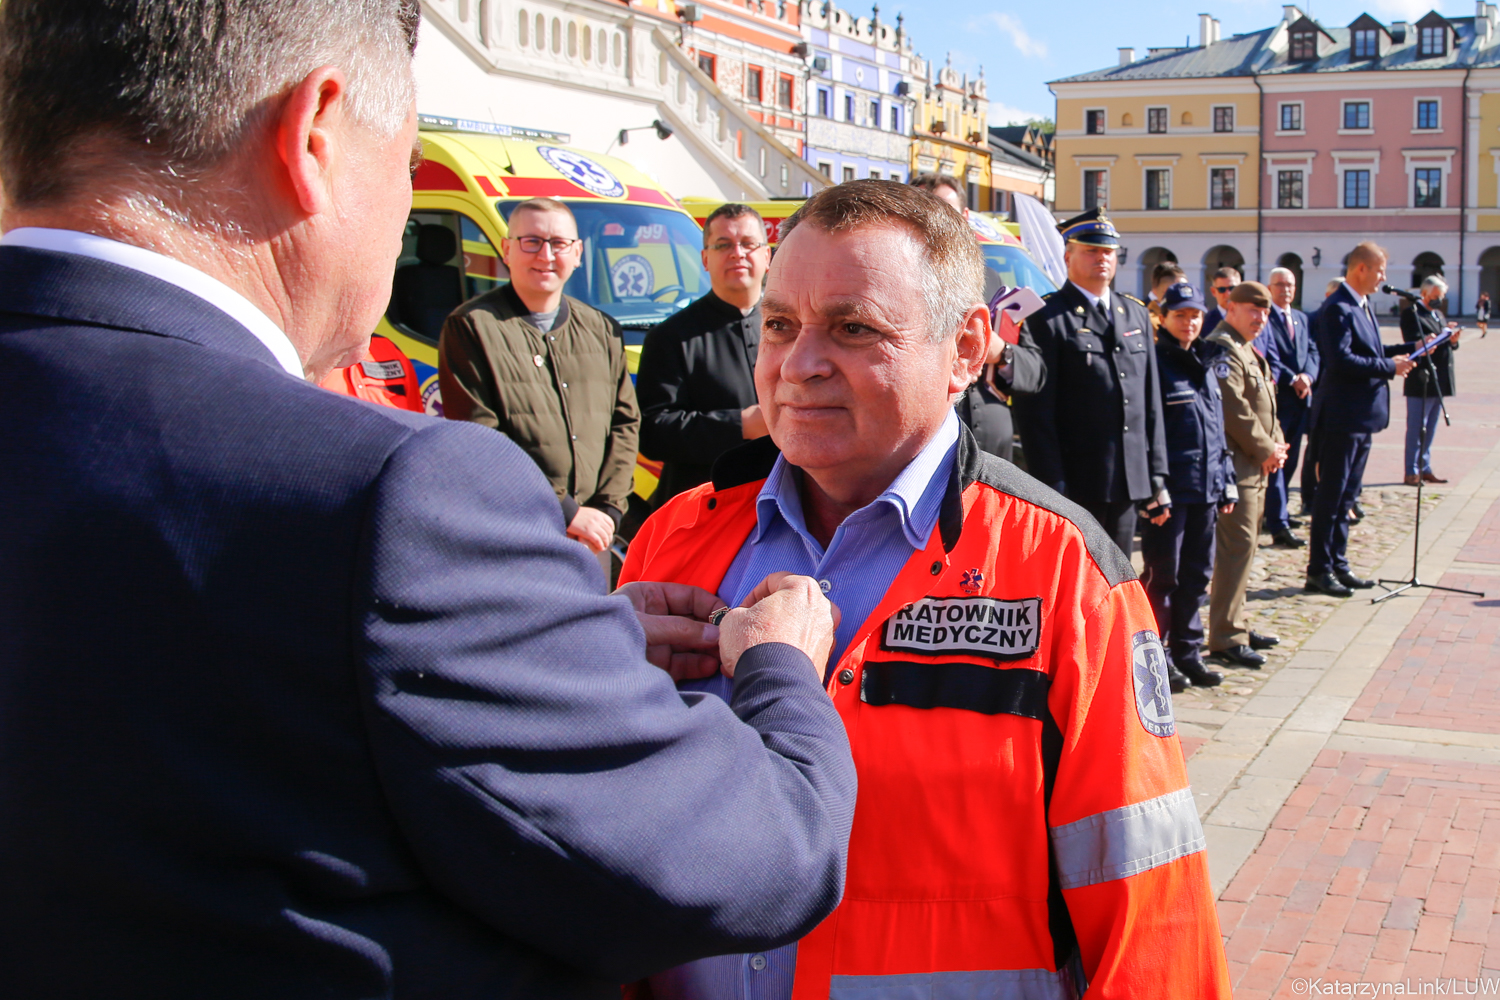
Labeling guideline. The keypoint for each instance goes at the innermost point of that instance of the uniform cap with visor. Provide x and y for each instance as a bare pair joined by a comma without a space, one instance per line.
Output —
1092,228
1183,296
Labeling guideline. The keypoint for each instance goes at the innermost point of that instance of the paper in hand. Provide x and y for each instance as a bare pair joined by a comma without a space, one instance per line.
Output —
1442,338
1008,308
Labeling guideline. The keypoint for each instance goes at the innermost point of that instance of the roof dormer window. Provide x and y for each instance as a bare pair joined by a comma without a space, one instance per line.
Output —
1366,43
1304,46
1434,42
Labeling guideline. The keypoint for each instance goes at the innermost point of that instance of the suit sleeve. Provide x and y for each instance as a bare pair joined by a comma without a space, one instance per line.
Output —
548,779
1028,371
617,468
671,429
1037,411
1314,358
1241,425
1340,360
1128,844
1270,345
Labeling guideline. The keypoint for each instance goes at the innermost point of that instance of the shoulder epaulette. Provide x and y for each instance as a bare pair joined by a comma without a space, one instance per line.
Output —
1050,294
1133,298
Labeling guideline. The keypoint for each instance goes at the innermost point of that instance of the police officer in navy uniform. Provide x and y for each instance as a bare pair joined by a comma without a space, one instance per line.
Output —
1093,431
1178,556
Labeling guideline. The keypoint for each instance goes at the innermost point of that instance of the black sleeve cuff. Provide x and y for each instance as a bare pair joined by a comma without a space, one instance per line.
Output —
569,510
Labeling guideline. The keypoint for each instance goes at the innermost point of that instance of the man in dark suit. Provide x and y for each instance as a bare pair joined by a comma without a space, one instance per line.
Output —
1293,357
1094,431
1351,402
306,697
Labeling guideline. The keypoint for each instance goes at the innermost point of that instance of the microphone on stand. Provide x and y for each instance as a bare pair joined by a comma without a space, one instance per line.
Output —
1393,290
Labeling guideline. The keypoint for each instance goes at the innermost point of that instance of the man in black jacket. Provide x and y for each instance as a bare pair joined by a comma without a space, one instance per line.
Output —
1423,397
696,383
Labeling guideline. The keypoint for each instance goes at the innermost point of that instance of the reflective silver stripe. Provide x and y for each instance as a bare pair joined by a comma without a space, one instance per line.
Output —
1124,842
999,984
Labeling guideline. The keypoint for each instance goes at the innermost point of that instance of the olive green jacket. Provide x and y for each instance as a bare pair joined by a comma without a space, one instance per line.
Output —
564,396
1249,398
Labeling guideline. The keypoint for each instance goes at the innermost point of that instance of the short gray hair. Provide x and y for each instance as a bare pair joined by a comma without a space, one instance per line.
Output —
1435,281
179,83
1281,270
952,263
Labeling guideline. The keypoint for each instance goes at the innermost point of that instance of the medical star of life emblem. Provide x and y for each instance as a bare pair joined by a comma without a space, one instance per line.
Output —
972,582
1153,694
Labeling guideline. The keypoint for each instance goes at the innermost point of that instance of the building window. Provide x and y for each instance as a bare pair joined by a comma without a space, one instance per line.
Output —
826,169
1158,190
895,119
1289,189
848,173
848,107
1224,119
1356,114
874,114
1095,189
1304,46
1427,114
825,103
1356,189
973,196
1291,117
874,175
1156,120
1093,122
1429,192
707,64
1434,42
752,84
784,92
1366,44
1221,187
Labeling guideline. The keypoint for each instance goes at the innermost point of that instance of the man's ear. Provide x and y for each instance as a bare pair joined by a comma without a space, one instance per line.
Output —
309,128
973,346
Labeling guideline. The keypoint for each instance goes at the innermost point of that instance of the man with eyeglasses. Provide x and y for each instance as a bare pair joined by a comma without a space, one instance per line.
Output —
1224,280
549,372
696,382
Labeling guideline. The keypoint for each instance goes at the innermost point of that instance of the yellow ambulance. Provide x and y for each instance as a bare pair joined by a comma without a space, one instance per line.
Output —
641,251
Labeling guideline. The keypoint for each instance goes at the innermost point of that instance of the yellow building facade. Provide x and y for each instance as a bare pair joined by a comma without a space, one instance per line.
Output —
950,135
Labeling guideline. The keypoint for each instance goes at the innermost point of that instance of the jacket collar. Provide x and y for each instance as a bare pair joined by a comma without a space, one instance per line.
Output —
752,461
513,299
70,288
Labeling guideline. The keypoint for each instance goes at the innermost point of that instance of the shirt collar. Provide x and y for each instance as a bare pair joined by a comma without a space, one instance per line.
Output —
915,494
173,272
1094,300
1357,297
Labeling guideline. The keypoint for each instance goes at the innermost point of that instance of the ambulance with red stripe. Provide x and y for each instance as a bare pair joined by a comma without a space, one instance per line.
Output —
641,251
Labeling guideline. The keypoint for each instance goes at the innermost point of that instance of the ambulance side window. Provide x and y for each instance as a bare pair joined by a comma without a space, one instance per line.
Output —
445,260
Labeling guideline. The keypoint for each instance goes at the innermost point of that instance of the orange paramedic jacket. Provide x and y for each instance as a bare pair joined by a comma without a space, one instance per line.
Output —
386,377
1024,826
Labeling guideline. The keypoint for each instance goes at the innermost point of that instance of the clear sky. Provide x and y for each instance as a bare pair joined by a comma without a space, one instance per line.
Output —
1021,47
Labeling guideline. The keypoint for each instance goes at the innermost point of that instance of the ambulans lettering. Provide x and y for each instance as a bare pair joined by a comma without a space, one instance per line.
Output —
385,370
983,626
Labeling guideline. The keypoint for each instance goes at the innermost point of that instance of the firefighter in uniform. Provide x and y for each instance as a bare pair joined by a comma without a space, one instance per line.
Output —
385,377
1094,431
1024,826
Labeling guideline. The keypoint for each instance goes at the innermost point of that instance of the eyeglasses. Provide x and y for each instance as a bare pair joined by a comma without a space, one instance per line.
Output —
533,244
746,247
1223,289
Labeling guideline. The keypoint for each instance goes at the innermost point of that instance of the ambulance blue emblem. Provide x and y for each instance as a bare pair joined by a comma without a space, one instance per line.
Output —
972,582
583,171
1153,695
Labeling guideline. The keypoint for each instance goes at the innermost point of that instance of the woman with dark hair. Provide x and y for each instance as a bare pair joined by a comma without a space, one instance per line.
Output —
1482,314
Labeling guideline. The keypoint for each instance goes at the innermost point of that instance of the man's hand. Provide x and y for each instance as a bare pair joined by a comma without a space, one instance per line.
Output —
783,608
1227,509
674,617
1275,460
593,528
1404,364
1302,386
753,423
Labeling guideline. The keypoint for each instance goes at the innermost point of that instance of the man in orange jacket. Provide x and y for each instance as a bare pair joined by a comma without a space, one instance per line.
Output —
385,377
1024,825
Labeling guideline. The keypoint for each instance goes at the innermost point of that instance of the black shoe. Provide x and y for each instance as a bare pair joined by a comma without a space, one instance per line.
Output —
1327,583
1200,675
1240,656
1258,641
1356,513
1176,680
1348,579
1292,522
1287,540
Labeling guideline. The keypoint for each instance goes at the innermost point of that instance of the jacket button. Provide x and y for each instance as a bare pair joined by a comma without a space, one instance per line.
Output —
758,962
713,502
937,568
846,677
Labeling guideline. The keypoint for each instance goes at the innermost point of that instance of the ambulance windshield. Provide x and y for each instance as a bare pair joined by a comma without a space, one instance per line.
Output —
640,264
1015,268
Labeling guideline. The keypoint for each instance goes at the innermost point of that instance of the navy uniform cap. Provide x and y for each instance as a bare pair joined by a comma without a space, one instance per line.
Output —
1092,227
1182,296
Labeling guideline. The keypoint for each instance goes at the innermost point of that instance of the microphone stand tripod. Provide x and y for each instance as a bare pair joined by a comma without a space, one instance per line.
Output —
1416,541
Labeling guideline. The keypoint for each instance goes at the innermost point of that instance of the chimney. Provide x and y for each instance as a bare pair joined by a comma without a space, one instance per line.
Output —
1398,32
1205,30
1216,30
1290,14
1481,21
1127,56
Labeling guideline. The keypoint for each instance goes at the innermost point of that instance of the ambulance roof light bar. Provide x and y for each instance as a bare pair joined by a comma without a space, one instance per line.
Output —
441,123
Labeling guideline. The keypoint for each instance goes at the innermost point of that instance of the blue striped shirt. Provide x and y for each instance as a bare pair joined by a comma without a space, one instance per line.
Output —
856,570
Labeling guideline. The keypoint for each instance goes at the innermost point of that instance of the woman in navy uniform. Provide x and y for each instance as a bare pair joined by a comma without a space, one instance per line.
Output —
1179,553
